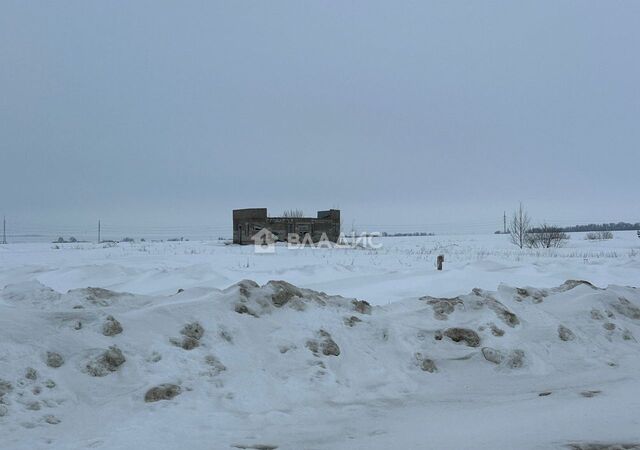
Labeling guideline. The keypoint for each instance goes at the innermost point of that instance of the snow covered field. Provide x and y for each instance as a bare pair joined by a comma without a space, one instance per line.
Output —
494,352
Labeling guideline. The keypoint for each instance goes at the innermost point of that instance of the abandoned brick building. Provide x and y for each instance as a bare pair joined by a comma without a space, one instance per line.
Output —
248,222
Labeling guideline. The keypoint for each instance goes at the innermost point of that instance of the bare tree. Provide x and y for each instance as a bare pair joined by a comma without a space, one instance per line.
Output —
546,236
293,213
519,226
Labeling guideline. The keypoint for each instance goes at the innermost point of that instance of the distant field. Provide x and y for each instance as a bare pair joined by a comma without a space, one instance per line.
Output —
402,267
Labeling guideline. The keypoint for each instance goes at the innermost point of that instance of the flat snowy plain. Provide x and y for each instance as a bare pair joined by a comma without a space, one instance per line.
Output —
494,352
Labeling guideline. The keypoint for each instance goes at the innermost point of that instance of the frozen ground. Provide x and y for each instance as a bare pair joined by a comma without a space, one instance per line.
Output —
539,363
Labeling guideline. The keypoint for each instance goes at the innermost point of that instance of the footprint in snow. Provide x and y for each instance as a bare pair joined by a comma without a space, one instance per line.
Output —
589,394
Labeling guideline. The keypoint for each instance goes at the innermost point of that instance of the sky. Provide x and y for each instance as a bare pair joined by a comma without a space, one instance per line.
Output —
406,115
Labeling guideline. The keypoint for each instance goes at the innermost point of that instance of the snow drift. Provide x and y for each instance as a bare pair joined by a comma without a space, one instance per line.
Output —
93,367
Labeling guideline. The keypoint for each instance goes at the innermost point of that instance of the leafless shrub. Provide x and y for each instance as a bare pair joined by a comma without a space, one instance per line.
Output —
546,236
293,213
519,226
598,235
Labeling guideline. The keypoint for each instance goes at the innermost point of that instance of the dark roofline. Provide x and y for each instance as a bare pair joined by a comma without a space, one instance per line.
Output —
260,211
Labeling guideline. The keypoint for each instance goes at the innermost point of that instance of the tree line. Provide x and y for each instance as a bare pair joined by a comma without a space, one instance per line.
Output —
620,226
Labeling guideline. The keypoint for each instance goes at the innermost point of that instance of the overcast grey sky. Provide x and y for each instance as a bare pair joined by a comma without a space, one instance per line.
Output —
400,113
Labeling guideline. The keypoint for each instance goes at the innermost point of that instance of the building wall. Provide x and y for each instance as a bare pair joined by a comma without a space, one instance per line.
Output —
247,222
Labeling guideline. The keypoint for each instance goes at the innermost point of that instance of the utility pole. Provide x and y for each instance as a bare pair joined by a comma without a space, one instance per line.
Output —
504,219
4,230
98,231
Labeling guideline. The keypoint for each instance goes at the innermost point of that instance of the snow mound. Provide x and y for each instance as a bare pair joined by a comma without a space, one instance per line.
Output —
277,347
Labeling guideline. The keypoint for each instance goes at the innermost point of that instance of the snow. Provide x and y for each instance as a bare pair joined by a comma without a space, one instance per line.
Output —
264,373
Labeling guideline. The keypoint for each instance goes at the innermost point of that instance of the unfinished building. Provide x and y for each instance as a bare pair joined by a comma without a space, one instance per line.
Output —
247,223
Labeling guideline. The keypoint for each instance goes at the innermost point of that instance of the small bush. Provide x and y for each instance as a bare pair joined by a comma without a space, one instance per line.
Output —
598,235
546,236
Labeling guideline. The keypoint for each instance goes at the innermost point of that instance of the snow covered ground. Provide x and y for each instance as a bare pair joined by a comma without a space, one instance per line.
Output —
496,351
